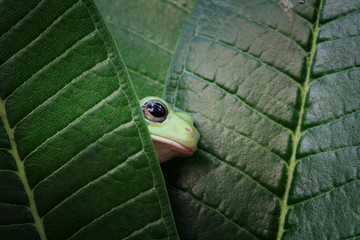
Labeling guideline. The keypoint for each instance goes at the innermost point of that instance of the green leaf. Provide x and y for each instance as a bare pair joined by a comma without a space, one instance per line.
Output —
274,90
146,32
76,161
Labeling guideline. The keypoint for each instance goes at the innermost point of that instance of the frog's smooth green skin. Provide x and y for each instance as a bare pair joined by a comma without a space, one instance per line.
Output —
173,133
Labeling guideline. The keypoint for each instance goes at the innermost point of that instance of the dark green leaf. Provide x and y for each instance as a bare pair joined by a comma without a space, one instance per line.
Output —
274,90
146,32
76,161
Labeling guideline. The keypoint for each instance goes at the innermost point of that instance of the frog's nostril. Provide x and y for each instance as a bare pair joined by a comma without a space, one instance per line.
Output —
187,129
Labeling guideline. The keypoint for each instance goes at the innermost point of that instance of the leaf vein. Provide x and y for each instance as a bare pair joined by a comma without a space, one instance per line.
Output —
218,212
338,39
134,233
96,106
74,46
354,237
241,172
41,34
76,79
339,118
324,193
22,19
302,17
15,204
262,24
334,73
257,111
327,151
140,195
251,56
125,125
178,5
141,36
133,71
321,220
339,17
93,181
16,224
244,136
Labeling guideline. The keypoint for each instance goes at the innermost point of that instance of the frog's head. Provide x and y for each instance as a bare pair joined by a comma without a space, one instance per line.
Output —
173,133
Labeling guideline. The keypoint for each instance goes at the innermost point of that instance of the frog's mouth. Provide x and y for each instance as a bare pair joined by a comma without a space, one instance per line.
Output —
173,145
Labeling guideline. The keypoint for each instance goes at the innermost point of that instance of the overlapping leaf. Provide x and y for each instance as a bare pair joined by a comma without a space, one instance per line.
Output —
274,90
76,159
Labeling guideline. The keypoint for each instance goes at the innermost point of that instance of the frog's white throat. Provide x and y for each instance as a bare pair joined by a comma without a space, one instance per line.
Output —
166,148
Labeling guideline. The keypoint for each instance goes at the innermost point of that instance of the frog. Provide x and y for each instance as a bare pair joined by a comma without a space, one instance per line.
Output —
173,133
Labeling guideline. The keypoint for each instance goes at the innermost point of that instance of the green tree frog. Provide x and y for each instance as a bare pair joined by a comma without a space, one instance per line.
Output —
173,133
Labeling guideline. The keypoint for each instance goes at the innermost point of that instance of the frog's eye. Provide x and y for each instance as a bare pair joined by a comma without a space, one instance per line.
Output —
155,110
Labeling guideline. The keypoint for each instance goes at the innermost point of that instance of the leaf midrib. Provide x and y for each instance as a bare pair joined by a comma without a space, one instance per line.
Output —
38,223
298,132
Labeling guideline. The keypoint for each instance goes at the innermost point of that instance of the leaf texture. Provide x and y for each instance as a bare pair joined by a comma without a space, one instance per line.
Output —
76,159
274,90
146,32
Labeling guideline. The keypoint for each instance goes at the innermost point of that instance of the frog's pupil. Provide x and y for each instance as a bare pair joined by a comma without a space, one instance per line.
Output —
156,109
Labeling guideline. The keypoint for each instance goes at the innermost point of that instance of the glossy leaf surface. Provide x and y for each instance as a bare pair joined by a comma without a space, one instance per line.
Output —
76,161
146,32
274,88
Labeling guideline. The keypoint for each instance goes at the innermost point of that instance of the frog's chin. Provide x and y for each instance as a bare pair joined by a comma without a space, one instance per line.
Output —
167,148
